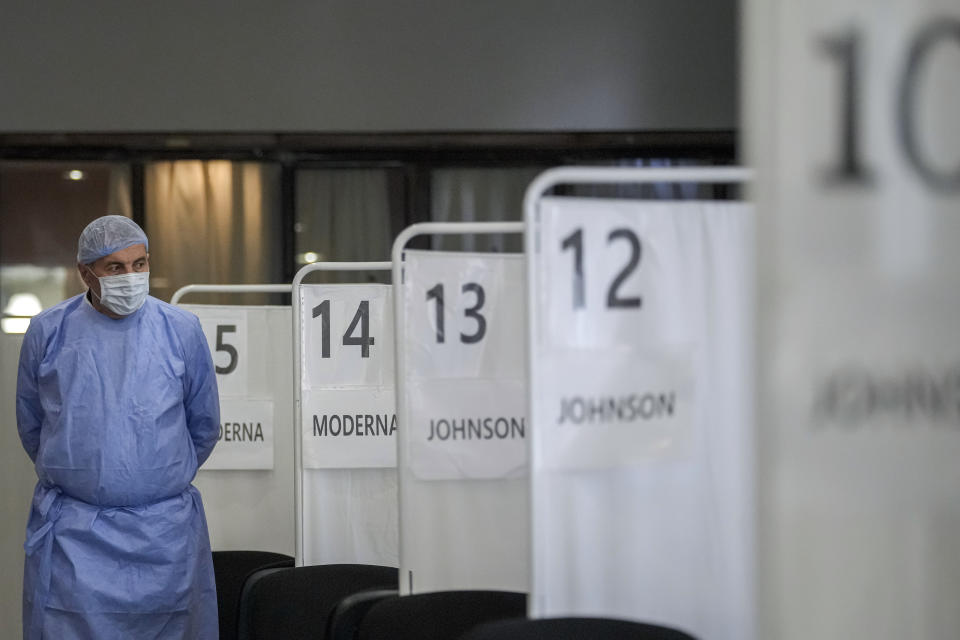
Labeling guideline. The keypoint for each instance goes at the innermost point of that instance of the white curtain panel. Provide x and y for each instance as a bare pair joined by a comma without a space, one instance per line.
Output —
349,477
253,508
464,506
648,519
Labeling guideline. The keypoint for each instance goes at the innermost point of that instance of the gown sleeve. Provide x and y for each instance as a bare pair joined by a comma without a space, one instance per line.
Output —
201,400
29,409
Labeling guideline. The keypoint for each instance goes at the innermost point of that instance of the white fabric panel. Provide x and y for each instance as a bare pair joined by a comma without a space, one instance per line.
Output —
349,425
641,418
463,487
859,223
251,507
350,516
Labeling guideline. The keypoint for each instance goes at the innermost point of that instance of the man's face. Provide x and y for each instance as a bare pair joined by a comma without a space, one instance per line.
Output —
133,259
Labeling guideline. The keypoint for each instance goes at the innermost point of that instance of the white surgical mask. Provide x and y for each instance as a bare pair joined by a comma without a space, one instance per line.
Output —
124,293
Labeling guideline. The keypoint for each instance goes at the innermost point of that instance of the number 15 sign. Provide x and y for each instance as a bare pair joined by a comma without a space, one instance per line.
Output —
226,333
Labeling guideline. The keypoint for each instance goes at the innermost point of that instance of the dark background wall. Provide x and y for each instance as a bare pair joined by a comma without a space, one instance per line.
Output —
367,66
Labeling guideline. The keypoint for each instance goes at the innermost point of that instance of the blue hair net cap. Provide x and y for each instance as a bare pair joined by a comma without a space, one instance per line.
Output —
107,234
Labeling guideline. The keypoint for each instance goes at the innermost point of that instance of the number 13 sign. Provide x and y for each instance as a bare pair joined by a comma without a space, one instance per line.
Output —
465,367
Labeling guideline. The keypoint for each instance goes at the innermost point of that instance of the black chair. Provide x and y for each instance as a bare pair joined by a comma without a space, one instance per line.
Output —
289,604
344,621
231,570
573,629
442,615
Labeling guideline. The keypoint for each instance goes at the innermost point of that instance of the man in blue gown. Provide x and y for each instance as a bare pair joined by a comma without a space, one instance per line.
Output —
117,406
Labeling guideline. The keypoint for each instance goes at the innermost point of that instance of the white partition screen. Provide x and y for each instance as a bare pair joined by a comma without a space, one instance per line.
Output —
346,453
247,481
641,453
461,381
854,127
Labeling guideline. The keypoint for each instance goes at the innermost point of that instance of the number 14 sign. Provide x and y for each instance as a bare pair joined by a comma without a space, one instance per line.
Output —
349,416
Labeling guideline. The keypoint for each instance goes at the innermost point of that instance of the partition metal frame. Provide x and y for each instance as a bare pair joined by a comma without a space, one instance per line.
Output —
592,175
414,230
298,392
228,288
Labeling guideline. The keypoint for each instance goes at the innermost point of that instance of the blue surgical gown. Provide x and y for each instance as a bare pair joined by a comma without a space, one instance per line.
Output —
117,416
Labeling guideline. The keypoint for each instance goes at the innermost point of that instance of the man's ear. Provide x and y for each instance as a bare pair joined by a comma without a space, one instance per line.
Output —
84,274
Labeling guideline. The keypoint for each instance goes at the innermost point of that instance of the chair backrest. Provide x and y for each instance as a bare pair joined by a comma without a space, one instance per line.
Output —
287,604
231,570
573,629
344,620
441,615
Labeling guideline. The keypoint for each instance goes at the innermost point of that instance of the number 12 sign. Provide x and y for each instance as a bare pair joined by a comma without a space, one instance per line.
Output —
614,341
